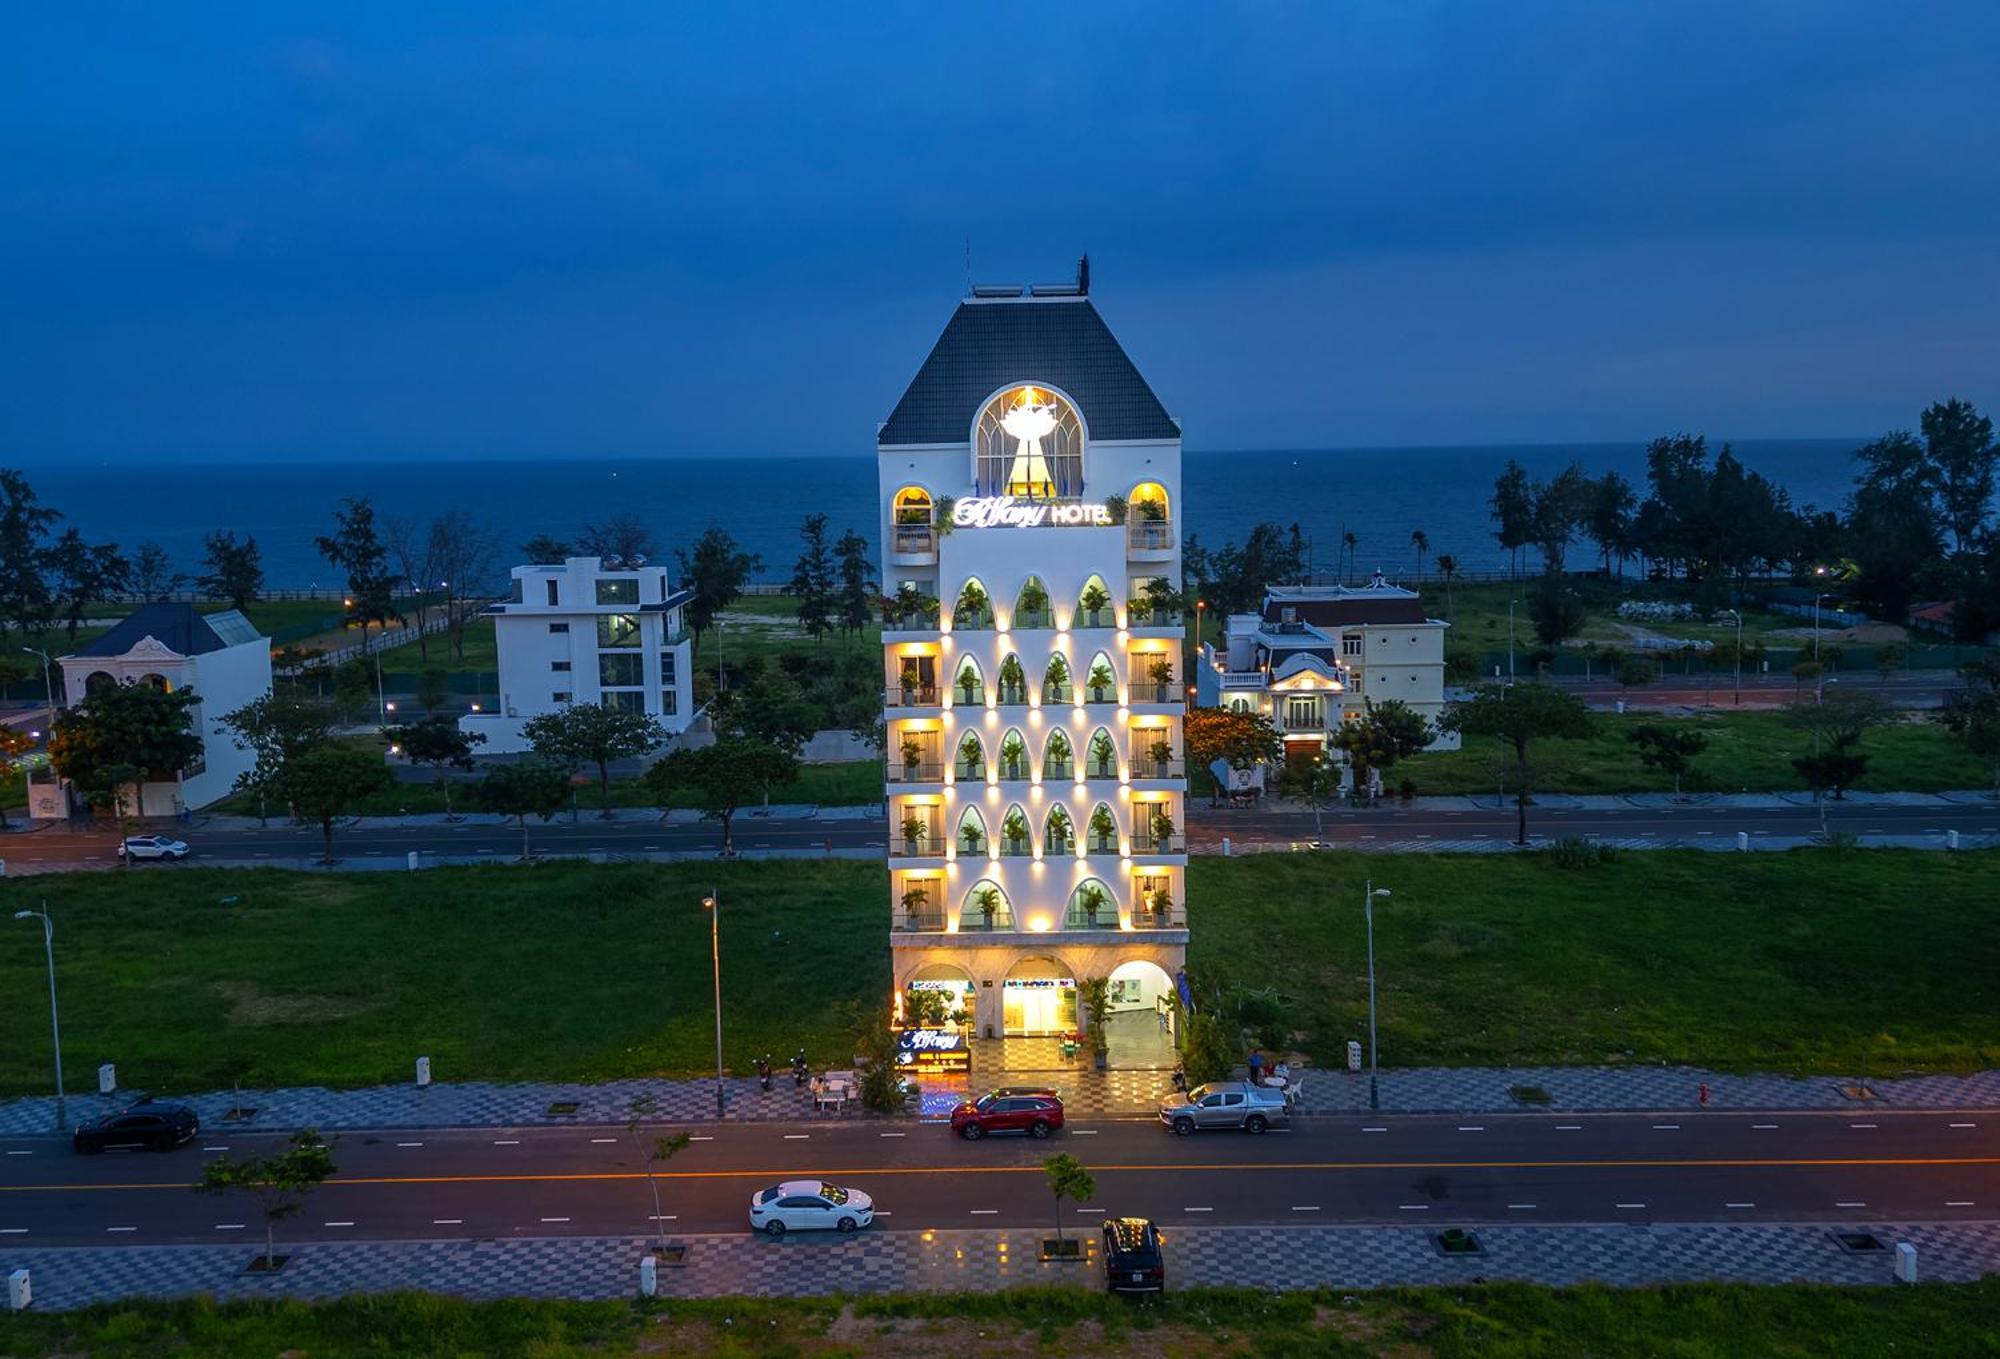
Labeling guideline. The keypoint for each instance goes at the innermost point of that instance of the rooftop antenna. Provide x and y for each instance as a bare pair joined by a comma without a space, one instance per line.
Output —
1083,275
968,266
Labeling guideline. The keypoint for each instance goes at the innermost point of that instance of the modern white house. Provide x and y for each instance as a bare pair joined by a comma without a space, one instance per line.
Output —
587,631
220,656
1031,491
1313,653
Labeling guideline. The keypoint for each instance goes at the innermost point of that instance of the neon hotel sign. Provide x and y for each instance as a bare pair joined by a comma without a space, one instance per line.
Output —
1006,511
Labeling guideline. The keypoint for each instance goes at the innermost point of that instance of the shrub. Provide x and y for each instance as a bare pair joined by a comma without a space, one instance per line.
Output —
1575,851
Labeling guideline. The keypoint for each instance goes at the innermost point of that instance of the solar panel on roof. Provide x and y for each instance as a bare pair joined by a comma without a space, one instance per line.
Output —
232,627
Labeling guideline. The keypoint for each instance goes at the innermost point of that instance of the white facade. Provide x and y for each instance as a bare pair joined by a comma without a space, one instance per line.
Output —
1010,512
220,657
1316,654
587,632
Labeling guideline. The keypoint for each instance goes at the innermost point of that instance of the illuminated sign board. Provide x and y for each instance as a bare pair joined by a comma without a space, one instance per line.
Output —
1006,511
933,1050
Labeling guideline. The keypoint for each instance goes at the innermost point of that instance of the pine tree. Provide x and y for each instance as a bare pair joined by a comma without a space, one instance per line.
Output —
857,588
812,578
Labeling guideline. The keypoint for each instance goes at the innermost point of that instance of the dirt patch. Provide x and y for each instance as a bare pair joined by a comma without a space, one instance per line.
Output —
249,1004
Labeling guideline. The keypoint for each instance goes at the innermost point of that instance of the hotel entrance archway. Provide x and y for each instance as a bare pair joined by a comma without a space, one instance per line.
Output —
1139,1024
1037,999
938,995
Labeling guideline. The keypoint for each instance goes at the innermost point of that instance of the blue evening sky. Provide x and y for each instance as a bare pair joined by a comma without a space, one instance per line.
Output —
375,230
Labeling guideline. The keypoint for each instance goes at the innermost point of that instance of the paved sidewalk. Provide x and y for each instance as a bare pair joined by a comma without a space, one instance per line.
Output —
1089,1094
950,1261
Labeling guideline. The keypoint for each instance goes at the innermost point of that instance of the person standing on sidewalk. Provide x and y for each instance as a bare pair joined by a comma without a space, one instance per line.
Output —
1256,1066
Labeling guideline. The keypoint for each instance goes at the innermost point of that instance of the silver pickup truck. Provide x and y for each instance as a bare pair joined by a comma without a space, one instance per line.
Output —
1225,1104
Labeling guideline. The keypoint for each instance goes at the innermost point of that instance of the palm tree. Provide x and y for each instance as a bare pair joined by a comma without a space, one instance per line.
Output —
1447,566
1422,543
1349,541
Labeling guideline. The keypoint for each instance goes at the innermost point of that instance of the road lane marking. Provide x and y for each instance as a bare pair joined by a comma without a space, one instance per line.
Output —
661,1217
20,1153
1090,1210
1666,1127
1739,1205
700,1138
1092,1132
1523,1206
555,1219
1958,1203
1414,1207
447,1222
797,1137
984,1212
409,1144
215,1148
1762,1127
336,1224
13,1231
1569,1127
1305,1207
599,1141
229,1226
1861,1125
1471,1127
506,1141
1631,1205
121,1229
1961,1125
895,1134
1374,1130
1850,1205
1197,1210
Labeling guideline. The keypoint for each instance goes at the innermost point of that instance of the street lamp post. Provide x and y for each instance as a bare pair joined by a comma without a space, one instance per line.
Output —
1816,600
1510,640
713,902
1738,616
1368,894
48,678
55,1018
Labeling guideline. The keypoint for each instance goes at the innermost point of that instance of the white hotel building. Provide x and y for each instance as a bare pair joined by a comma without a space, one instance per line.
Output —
1030,484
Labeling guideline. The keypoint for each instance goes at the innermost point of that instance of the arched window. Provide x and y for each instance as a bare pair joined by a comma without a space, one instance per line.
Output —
971,832
1056,686
98,681
971,761
968,684
1013,755
1100,682
973,609
156,681
1101,831
1017,838
1148,503
986,908
1093,605
1058,832
1091,907
1029,444
1031,606
1100,757
1058,759
1013,680
913,507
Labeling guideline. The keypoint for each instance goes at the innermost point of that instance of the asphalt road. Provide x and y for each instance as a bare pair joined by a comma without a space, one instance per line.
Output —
484,837
1848,1167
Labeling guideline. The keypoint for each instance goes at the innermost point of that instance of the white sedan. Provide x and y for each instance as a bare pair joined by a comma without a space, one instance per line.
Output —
153,847
808,1205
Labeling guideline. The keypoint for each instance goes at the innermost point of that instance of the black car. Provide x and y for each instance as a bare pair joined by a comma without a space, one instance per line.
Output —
158,1127
1132,1259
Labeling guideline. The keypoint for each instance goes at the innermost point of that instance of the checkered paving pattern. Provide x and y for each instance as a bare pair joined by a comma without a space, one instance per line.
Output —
942,1261
1477,1089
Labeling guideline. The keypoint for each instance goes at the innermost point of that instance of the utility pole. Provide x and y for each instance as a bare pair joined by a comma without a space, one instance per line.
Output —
1369,892
713,901
55,1017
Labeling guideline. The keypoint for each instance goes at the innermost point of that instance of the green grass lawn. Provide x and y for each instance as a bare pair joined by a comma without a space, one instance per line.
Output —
1789,961
1494,1321
481,656
1747,752
1478,614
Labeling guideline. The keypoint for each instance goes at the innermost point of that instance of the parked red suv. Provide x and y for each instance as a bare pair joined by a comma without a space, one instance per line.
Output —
1036,1113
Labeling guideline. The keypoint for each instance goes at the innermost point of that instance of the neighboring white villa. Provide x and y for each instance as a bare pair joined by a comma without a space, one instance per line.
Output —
220,656
588,632
1310,656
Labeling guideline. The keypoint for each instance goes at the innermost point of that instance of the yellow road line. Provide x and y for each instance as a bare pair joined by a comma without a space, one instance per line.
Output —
1293,1166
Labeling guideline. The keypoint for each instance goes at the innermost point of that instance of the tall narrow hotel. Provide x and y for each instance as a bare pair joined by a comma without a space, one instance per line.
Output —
1033,672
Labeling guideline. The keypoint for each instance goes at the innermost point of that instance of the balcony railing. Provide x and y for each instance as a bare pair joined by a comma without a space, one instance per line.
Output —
975,921
918,771
1058,693
915,539
1145,841
1158,769
917,621
1058,769
1013,695
968,696
1140,615
969,771
1101,769
1154,691
921,922
1146,918
1033,618
928,845
1100,693
911,696
1106,919
1095,618
1104,844
1149,535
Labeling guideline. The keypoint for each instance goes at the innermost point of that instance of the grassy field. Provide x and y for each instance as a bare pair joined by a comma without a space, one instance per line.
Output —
1478,615
1503,1321
1792,961
1747,752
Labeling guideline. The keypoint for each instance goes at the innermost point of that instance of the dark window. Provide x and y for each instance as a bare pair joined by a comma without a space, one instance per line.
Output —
560,696
621,591
666,667
552,591
621,670
558,627
562,666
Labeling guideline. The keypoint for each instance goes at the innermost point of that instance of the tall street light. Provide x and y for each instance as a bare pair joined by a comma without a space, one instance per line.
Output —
1368,894
1739,653
55,1020
1510,640
712,903
1816,600
48,678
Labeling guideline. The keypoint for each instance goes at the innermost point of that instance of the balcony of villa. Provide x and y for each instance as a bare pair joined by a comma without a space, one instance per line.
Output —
912,696
1146,769
1158,693
1150,540
913,545
1149,843
924,772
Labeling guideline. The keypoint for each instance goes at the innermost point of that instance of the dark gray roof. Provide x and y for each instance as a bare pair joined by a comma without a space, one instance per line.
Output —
1062,342
177,627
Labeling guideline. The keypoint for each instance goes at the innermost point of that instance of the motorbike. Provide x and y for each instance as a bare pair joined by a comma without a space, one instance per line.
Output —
764,1071
800,1071
1180,1078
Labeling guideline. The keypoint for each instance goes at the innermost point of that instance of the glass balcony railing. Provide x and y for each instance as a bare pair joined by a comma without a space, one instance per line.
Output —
914,771
914,540
1155,691
1149,535
921,922
911,696
1148,841
1151,918
1158,769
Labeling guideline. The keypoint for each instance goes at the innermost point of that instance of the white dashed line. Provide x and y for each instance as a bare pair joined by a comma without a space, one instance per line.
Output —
600,1141
336,1224
447,1222
1861,1125
895,1134
1471,1127
1958,1203
984,1212
1305,1207
1092,1132
229,1226
1569,1127
1521,1205
701,1139
555,1219
797,1137
1762,1127
1631,1205
121,1229
409,1144
1414,1207
1666,1127
506,1141
20,1153
661,1217
1374,1130
1850,1205
1961,1125
1739,1205
215,1148
1080,1210
13,1231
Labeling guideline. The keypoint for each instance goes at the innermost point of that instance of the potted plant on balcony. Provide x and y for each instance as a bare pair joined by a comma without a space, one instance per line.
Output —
1151,512
1013,681
971,837
944,521
1102,684
915,897
987,899
971,759
1162,905
1104,830
911,683
971,610
913,756
1163,828
968,685
1055,681
1056,762
1094,600
1161,672
1103,756
1162,600
1060,831
915,831
1090,899
1014,832
1161,752
1013,752
1116,506
1032,609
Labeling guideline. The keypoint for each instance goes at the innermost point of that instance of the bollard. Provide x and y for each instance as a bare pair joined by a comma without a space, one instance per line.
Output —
1353,1055
423,1072
1621,705
1743,840
107,1078
415,856
1906,1262
1225,847
1951,839
19,1292
649,1277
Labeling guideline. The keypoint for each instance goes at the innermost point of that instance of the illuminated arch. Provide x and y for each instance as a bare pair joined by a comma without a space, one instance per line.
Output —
98,681
1058,683
1017,833
1100,832
157,681
1095,591
1100,755
973,608
1148,503
971,757
1028,441
1031,605
968,686
1058,831
1012,680
1058,756
1092,905
914,507
981,898
970,834
1012,754
1100,681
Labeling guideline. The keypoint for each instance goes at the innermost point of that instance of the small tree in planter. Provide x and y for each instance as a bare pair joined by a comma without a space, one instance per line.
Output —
1104,756
971,758
1013,751
1163,826
1095,993
1161,752
1032,608
1056,761
1103,685
1161,601
915,831
1092,603
974,609
987,900
1067,1180
915,897
1104,830
279,1183
968,684
1151,512
1013,681
661,1150
1162,674
1055,682
971,837
1090,897
1162,904
1117,507
913,756
1014,833
1061,831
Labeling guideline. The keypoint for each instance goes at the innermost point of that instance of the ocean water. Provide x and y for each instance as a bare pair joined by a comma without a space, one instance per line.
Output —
1380,495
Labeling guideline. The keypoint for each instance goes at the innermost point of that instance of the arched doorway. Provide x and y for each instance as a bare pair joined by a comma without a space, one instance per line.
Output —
1037,999
1139,1025
937,995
